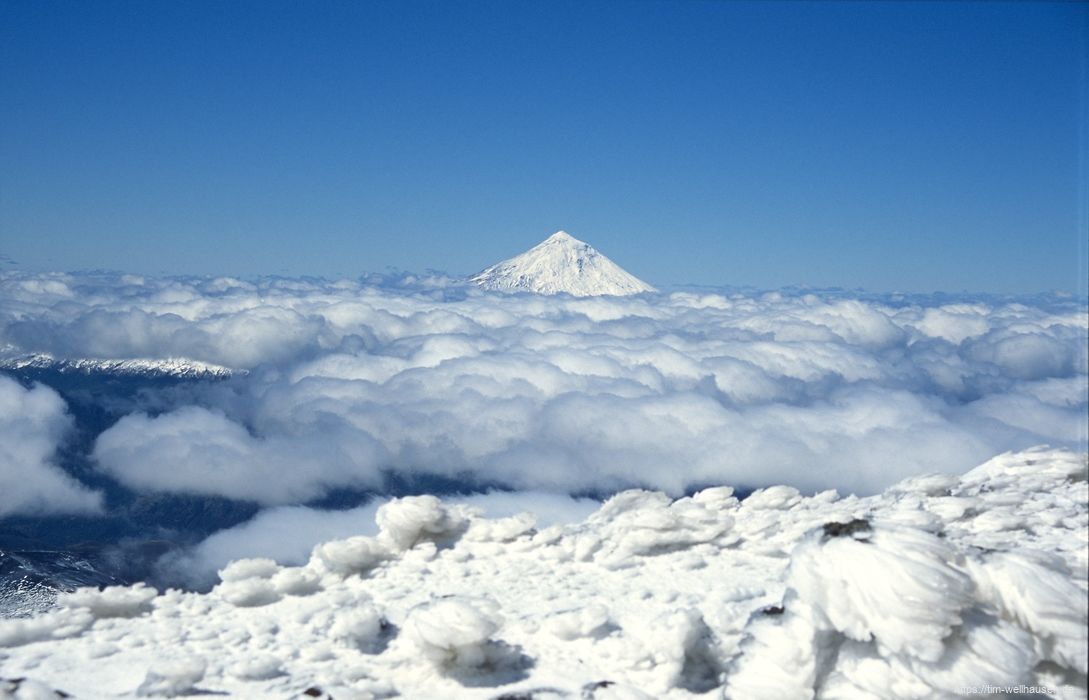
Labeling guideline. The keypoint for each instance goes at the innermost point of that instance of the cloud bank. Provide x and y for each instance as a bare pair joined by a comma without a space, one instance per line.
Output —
349,381
33,422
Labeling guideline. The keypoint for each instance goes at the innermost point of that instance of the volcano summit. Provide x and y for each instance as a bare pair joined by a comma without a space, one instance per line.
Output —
561,264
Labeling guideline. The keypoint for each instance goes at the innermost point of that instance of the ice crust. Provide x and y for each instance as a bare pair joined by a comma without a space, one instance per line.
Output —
915,593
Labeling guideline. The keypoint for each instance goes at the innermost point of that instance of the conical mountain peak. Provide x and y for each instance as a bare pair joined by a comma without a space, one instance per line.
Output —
561,264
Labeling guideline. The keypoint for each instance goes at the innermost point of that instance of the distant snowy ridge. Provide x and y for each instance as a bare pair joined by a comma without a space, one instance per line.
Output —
561,264
939,584
181,368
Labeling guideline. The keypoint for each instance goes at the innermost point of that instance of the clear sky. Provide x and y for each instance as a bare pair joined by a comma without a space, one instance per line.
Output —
892,146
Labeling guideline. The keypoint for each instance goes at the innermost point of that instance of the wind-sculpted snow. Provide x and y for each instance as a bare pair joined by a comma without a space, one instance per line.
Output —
291,533
348,382
901,595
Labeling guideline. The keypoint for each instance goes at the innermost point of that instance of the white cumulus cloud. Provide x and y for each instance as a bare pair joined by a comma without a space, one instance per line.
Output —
33,422
347,382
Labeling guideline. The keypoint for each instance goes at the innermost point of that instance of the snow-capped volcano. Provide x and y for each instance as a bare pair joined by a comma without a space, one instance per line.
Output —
561,264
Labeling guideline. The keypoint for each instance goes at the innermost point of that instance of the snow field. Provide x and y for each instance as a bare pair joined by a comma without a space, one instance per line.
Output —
938,584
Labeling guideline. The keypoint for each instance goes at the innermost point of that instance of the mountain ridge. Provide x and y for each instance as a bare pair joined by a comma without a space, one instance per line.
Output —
179,367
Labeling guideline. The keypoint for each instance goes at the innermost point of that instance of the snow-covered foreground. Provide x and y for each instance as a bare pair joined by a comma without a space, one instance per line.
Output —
939,587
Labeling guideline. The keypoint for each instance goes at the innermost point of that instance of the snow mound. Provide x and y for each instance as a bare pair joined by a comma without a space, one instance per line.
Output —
248,592
897,585
641,523
55,624
169,679
260,667
112,601
452,632
886,611
354,555
561,264
1034,590
242,569
913,593
406,522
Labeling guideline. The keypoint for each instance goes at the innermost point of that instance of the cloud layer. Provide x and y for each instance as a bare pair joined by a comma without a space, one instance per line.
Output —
350,380
32,424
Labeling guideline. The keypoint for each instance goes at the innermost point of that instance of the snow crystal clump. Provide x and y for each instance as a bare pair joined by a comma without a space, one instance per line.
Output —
925,485
248,592
260,667
500,529
169,679
112,601
452,632
575,624
1029,470
889,611
680,649
1035,590
296,580
354,555
55,624
642,523
772,498
983,652
242,569
358,627
780,660
893,584
405,522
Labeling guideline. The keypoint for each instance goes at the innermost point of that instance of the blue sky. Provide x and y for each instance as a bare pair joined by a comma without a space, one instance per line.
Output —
891,146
